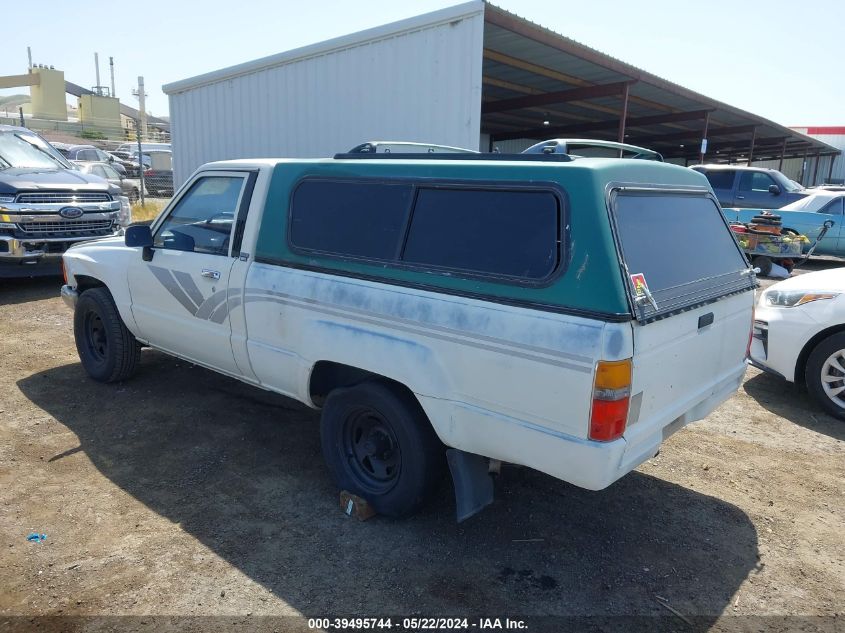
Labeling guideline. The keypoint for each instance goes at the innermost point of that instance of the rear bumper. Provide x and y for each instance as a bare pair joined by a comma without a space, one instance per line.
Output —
585,463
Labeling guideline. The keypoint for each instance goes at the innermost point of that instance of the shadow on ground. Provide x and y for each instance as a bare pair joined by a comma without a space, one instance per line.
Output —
791,401
241,470
22,290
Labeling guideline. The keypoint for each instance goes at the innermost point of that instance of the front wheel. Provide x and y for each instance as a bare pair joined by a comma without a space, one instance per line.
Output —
379,444
108,351
825,374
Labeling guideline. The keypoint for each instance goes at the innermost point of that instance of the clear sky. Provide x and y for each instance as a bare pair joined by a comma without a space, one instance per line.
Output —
783,60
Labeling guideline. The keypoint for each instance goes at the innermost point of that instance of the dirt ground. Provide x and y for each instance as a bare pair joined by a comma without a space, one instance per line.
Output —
184,493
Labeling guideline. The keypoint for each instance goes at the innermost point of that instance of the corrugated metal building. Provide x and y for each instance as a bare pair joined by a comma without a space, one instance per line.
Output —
471,76
392,83
831,169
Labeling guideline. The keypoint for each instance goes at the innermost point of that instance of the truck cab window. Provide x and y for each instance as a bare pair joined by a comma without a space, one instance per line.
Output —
201,222
755,181
721,179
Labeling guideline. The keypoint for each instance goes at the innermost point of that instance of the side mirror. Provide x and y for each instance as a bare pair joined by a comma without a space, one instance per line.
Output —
774,190
138,235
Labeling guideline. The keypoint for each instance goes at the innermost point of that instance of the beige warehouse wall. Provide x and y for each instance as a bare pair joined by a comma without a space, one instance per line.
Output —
48,96
97,111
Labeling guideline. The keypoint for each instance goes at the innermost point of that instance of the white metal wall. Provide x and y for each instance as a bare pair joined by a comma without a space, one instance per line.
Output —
418,81
836,140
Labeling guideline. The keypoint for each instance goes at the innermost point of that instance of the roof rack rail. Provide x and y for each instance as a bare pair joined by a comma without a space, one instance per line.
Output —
406,147
570,146
458,156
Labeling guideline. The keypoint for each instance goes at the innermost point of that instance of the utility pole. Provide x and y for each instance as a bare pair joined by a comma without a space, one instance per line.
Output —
142,108
97,89
140,151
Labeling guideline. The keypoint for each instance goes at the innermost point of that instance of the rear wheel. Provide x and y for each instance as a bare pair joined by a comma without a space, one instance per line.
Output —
108,351
764,264
379,445
825,374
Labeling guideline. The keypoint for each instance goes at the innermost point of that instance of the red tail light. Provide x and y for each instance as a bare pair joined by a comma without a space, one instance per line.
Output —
64,271
611,397
148,172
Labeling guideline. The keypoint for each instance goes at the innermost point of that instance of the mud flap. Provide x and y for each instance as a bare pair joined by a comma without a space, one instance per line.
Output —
472,481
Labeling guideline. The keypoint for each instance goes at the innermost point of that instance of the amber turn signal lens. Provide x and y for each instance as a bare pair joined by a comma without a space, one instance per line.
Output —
611,396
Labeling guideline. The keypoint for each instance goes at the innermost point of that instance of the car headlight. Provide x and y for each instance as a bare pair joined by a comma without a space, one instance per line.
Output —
125,215
7,199
793,298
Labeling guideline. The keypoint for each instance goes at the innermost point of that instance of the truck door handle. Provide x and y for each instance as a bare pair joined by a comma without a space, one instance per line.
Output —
211,274
740,197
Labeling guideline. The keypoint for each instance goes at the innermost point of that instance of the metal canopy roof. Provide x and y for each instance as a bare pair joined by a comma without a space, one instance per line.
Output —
538,84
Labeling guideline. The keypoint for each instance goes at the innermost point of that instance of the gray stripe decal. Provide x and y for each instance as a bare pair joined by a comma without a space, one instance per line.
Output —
220,314
256,292
252,298
188,285
166,278
211,304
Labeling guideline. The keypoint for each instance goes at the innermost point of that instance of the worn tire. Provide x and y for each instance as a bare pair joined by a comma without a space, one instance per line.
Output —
764,264
108,351
815,371
391,422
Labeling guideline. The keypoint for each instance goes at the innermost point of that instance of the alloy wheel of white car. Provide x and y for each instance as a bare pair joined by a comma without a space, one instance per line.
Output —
825,374
833,378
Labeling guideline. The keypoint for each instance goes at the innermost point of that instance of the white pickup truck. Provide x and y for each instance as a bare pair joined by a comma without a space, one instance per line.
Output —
543,310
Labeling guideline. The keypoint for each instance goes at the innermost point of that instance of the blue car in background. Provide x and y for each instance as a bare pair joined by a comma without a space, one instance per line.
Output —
807,216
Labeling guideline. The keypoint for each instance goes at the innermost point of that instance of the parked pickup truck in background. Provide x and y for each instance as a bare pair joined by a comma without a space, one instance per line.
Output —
46,205
751,187
439,308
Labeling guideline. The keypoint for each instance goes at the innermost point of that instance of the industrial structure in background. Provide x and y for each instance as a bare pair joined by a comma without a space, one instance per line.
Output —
99,113
483,78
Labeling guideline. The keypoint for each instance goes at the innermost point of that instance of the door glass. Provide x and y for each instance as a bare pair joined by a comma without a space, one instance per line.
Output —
110,172
99,171
755,181
201,222
720,179
833,208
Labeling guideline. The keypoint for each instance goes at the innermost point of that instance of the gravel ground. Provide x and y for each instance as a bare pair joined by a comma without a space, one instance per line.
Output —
185,493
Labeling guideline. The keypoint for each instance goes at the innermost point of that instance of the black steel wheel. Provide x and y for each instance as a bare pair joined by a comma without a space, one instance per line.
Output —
108,351
379,444
373,451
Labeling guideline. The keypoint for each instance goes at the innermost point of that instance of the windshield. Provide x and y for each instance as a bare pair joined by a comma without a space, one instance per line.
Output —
20,149
810,203
785,183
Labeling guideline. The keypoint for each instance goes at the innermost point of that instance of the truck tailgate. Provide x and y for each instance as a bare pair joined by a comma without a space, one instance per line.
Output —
692,295
683,364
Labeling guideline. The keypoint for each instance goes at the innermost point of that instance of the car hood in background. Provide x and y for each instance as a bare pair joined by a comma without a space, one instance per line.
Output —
829,280
17,178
